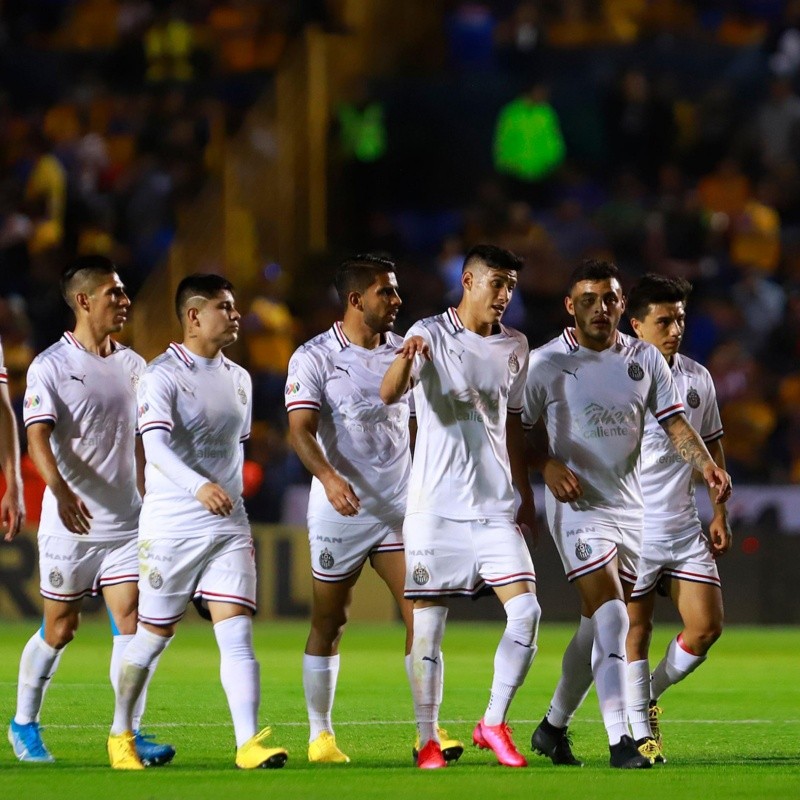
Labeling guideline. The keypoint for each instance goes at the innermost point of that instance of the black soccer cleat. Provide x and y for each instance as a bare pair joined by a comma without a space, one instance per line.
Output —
555,743
624,755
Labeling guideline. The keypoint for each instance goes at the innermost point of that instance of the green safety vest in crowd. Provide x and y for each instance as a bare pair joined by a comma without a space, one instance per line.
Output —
527,142
362,131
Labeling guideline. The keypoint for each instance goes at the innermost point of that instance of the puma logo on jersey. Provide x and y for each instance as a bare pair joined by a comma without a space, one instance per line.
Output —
456,355
346,370
80,379
574,374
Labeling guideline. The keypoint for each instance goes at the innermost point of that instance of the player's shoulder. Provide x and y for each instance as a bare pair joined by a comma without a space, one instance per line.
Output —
392,340
635,348
164,364
52,358
313,353
235,368
130,356
320,343
683,365
517,336
558,345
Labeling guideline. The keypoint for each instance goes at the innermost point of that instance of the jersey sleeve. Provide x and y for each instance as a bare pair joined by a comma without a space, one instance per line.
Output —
516,392
41,398
247,422
3,370
534,392
664,400
711,429
304,385
418,329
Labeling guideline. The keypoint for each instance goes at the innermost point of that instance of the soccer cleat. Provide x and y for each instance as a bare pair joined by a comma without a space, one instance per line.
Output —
555,743
624,755
653,714
253,755
498,739
323,750
26,740
451,748
150,752
122,751
649,749
430,756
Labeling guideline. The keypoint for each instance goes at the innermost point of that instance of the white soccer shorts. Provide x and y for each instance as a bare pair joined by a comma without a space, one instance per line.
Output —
216,568
588,546
339,549
70,569
450,557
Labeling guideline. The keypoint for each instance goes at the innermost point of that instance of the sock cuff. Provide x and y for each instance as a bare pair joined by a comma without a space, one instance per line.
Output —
46,648
683,646
320,663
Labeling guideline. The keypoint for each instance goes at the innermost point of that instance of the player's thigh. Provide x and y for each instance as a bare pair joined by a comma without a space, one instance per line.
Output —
599,587
391,567
122,601
60,620
119,579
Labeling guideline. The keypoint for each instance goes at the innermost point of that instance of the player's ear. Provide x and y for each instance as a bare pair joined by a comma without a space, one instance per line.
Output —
354,301
467,279
82,301
569,305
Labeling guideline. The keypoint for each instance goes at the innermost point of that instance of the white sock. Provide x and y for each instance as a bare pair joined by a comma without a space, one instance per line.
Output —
134,672
319,684
240,674
514,654
120,643
677,663
576,676
610,624
639,698
37,665
426,669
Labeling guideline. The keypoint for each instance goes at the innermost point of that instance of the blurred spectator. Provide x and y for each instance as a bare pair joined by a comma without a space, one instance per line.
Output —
779,125
518,40
470,31
761,303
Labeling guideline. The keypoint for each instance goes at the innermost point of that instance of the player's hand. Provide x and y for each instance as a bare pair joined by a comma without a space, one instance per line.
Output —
341,496
12,513
526,519
72,511
561,481
719,535
215,499
414,346
716,478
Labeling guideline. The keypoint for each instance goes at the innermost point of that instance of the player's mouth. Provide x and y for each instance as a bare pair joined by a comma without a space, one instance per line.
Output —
601,322
499,308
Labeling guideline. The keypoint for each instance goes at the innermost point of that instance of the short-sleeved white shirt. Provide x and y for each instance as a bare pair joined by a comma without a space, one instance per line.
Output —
205,405
366,441
462,395
91,402
594,406
667,480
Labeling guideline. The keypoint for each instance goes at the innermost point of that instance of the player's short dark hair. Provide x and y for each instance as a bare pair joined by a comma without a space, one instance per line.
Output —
204,284
592,269
493,257
653,288
357,273
83,268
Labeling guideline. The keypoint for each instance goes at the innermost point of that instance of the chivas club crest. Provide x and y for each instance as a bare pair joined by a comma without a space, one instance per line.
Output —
583,550
56,578
134,381
326,559
156,579
421,575
242,395
513,364
693,397
635,371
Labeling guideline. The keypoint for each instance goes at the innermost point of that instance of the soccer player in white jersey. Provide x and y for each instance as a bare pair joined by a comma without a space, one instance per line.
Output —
194,535
676,555
357,449
12,505
80,416
593,387
468,374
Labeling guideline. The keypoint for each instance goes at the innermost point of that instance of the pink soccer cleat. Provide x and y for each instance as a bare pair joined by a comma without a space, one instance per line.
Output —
430,757
498,738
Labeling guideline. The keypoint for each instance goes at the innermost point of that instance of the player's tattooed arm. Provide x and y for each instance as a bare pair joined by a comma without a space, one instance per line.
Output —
397,380
692,450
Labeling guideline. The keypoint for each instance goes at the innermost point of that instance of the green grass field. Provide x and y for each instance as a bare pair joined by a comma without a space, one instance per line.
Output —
731,730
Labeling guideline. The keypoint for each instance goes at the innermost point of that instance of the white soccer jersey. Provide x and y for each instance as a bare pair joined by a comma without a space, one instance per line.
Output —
667,480
365,440
205,406
461,468
91,402
594,406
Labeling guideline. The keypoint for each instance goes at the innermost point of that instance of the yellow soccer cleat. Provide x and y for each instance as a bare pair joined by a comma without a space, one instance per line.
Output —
653,714
253,755
122,751
649,749
451,748
323,750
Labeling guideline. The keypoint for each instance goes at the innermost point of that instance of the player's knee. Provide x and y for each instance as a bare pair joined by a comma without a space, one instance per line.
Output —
640,632
523,613
704,637
61,631
329,623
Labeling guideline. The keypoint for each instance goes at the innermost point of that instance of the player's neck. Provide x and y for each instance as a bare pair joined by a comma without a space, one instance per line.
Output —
472,323
198,347
360,334
93,341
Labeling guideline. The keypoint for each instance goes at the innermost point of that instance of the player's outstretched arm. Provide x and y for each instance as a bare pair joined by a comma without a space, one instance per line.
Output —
719,529
12,506
71,509
398,377
303,424
693,451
